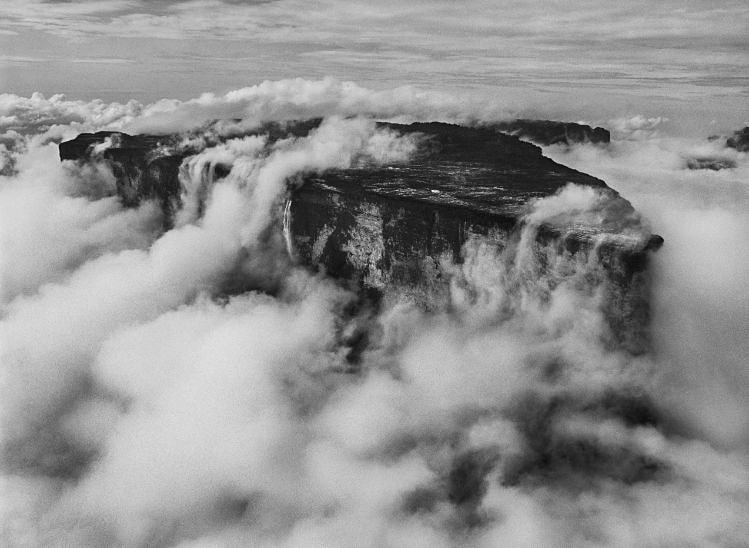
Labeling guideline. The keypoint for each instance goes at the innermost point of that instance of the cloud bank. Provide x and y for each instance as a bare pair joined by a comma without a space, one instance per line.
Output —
605,55
142,405
57,117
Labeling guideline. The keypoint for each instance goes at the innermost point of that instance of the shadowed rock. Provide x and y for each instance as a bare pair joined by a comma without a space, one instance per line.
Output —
547,132
739,140
399,226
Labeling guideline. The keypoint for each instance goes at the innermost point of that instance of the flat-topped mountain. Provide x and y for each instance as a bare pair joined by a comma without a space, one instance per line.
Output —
479,169
399,225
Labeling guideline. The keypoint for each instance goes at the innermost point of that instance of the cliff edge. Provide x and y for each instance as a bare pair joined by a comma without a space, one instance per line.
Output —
403,226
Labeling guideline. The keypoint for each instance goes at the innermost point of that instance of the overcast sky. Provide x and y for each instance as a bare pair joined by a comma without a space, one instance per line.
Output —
573,58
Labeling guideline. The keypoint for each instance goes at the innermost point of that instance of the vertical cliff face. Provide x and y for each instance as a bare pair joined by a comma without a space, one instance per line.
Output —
142,167
414,228
398,246
379,241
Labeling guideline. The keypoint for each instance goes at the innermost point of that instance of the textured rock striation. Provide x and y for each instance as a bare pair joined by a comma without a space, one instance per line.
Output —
408,226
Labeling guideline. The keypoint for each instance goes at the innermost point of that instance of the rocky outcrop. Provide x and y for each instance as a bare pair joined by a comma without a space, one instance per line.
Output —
547,132
712,163
739,140
405,226
147,166
144,166
724,159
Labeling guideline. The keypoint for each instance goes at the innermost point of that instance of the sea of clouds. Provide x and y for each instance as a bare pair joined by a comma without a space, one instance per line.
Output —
143,406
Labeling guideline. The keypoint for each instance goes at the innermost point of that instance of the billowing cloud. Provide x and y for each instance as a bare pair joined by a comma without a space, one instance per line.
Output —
142,406
56,117
700,312
605,55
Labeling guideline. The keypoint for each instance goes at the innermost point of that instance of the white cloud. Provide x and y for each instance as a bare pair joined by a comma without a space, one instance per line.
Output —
141,408
700,298
616,54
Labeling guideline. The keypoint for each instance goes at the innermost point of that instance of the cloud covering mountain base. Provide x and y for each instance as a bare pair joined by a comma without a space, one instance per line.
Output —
143,405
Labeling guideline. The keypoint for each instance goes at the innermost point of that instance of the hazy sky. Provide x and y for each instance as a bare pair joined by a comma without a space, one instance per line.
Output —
576,58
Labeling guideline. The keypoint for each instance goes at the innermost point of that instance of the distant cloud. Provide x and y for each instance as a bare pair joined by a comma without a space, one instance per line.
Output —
57,116
636,127
695,51
105,60
475,23
22,59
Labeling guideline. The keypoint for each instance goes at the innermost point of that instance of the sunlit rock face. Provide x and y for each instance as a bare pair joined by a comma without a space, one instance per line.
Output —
409,228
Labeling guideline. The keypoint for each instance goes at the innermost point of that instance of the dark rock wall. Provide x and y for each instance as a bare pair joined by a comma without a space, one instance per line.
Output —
404,229
403,247
141,170
382,242
547,132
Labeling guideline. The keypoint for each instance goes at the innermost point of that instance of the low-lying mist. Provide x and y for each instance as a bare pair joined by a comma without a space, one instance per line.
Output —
701,300
144,405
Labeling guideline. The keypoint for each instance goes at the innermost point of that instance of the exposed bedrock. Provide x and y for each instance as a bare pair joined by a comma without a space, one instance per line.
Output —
409,227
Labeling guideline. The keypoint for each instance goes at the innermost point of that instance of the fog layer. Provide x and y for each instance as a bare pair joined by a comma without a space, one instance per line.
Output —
142,405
